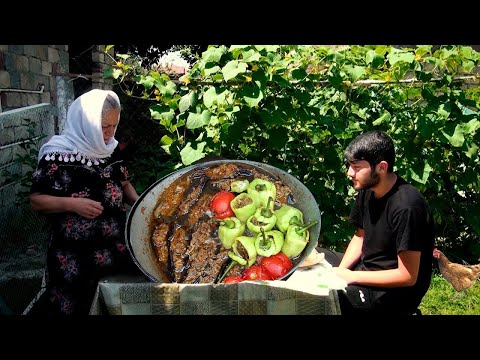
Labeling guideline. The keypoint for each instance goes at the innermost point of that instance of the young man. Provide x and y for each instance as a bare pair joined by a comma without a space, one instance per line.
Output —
388,263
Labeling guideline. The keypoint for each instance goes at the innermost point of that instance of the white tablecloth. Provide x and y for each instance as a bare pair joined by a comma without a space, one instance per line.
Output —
310,291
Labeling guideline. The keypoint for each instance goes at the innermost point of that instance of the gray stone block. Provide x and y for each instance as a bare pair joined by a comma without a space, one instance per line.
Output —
4,79
17,49
6,156
35,65
15,80
21,133
29,50
6,136
14,100
27,82
21,63
33,99
53,55
45,80
46,68
46,97
9,61
41,52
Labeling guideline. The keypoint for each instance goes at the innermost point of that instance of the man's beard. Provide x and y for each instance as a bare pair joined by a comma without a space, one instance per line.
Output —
371,182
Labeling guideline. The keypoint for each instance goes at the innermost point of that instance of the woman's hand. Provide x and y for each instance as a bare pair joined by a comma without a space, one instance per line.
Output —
49,204
87,208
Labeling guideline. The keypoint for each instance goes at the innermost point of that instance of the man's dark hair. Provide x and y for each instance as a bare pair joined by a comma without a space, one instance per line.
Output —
372,146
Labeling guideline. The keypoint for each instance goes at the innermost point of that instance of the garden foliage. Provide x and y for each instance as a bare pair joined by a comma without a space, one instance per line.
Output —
297,107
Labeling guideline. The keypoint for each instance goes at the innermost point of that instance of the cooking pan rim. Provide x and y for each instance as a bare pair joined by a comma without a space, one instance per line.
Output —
134,207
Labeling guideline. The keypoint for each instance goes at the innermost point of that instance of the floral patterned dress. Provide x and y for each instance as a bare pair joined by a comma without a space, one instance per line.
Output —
81,250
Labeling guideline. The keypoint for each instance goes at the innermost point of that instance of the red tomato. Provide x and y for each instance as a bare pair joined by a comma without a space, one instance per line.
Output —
220,204
285,259
232,279
256,272
276,265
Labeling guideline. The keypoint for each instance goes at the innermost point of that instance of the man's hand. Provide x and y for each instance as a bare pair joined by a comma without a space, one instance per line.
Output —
346,274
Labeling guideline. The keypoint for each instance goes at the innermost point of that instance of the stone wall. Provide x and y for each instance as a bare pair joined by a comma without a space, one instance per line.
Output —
20,131
100,62
24,69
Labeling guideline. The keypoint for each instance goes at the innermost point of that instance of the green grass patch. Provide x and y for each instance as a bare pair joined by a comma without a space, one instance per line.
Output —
439,299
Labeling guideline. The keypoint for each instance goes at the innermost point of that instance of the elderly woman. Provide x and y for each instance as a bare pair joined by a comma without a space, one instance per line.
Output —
82,185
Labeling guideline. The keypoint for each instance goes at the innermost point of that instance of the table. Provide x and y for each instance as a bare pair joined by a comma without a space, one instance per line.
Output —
298,295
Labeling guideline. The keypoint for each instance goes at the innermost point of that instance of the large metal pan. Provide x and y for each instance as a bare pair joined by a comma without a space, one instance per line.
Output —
138,231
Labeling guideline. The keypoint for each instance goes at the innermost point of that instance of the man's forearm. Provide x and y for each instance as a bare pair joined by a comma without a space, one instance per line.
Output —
353,252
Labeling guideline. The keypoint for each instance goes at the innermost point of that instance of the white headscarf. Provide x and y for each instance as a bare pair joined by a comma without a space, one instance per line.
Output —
82,137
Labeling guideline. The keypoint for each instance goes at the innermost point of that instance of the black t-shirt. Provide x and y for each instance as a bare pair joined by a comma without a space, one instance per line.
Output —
400,220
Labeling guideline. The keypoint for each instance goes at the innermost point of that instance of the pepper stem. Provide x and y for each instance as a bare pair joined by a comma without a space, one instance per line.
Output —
227,270
229,223
295,221
300,230
264,242
261,187
266,211
225,222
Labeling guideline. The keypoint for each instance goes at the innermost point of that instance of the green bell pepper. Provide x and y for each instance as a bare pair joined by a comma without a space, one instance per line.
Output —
285,214
296,238
262,219
229,229
269,243
243,250
243,206
239,186
261,190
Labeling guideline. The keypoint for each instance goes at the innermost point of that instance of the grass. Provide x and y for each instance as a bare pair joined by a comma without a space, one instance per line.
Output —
439,299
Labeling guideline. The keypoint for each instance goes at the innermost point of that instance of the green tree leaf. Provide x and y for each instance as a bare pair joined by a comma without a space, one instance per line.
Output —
472,151
457,138
384,118
233,68
468,65
354,72
189,155
146,81
251,94
211,69
277,137
186,101
299,74
250,56
108,73
420,171
166,140
213,54
444,110
164,115
195,121
168,89
374,59
471,127
210,96
398,56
